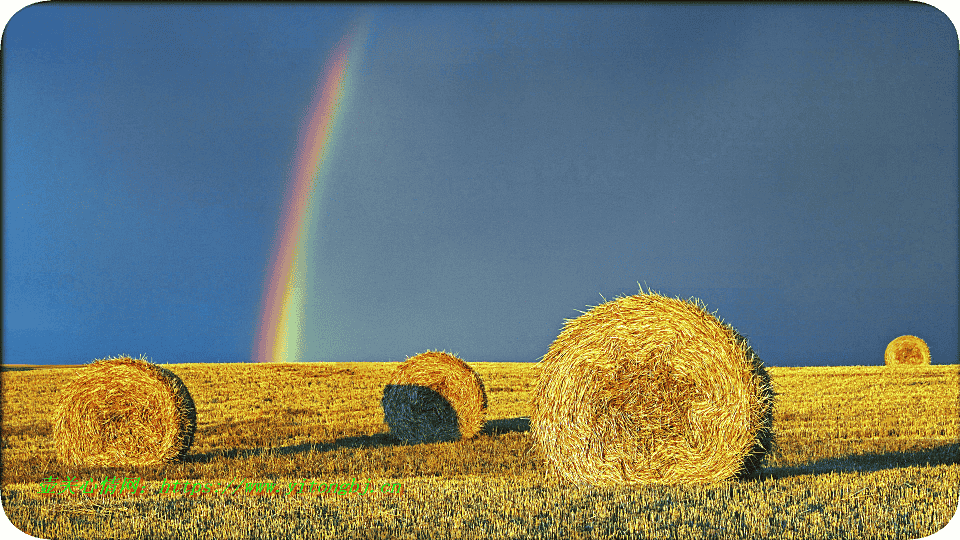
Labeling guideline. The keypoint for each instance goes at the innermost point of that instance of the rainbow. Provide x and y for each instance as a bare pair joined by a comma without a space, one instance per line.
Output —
279,336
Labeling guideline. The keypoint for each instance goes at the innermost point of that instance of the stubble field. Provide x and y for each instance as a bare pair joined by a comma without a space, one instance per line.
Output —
862,452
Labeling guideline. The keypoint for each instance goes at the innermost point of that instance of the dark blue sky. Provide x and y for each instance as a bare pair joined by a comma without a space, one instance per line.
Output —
498,169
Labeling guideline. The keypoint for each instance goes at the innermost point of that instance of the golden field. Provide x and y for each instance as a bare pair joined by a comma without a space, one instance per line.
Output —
862,452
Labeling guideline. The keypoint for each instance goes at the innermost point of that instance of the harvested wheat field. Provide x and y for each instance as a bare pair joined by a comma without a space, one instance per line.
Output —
302,451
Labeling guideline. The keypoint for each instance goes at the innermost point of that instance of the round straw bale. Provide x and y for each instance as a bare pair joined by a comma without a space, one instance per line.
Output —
907,351
124,412
646,389
434,397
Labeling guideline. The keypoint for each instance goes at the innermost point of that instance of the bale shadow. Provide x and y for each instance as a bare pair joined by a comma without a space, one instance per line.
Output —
491,428
519,424
362,441
5,369
945,454
20,367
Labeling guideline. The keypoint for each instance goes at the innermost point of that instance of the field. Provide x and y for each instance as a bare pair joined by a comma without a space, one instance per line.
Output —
863,452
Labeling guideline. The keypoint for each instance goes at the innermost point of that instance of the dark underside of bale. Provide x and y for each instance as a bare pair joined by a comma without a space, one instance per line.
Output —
188,423
418,414
753,462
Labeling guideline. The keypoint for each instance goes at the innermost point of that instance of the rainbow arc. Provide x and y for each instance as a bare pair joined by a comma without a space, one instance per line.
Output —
286,290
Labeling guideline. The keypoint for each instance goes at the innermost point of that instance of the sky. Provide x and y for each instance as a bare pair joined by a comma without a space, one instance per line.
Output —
493,171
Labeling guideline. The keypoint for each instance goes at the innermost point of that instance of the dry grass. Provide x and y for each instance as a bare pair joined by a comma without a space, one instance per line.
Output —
433,397
121,412
907,351
647,389
859,455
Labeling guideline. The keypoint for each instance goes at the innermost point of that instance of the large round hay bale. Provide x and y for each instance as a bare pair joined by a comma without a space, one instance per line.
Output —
647,389
907,351
434,397
124,412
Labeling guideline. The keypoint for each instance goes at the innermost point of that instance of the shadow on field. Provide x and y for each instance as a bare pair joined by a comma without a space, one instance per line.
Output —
362,441
490,428
24,367
945,454
502,426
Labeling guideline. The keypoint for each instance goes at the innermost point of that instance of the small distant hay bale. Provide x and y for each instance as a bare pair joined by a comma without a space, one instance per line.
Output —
124,412
647,389
907,351
434,397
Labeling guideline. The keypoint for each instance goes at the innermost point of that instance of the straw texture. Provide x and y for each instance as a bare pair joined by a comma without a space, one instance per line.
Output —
907,351
648,389
124,412
433,397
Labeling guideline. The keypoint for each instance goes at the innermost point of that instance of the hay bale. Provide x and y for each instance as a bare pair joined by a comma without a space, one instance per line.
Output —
647,389
907,351
124,412
434,397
